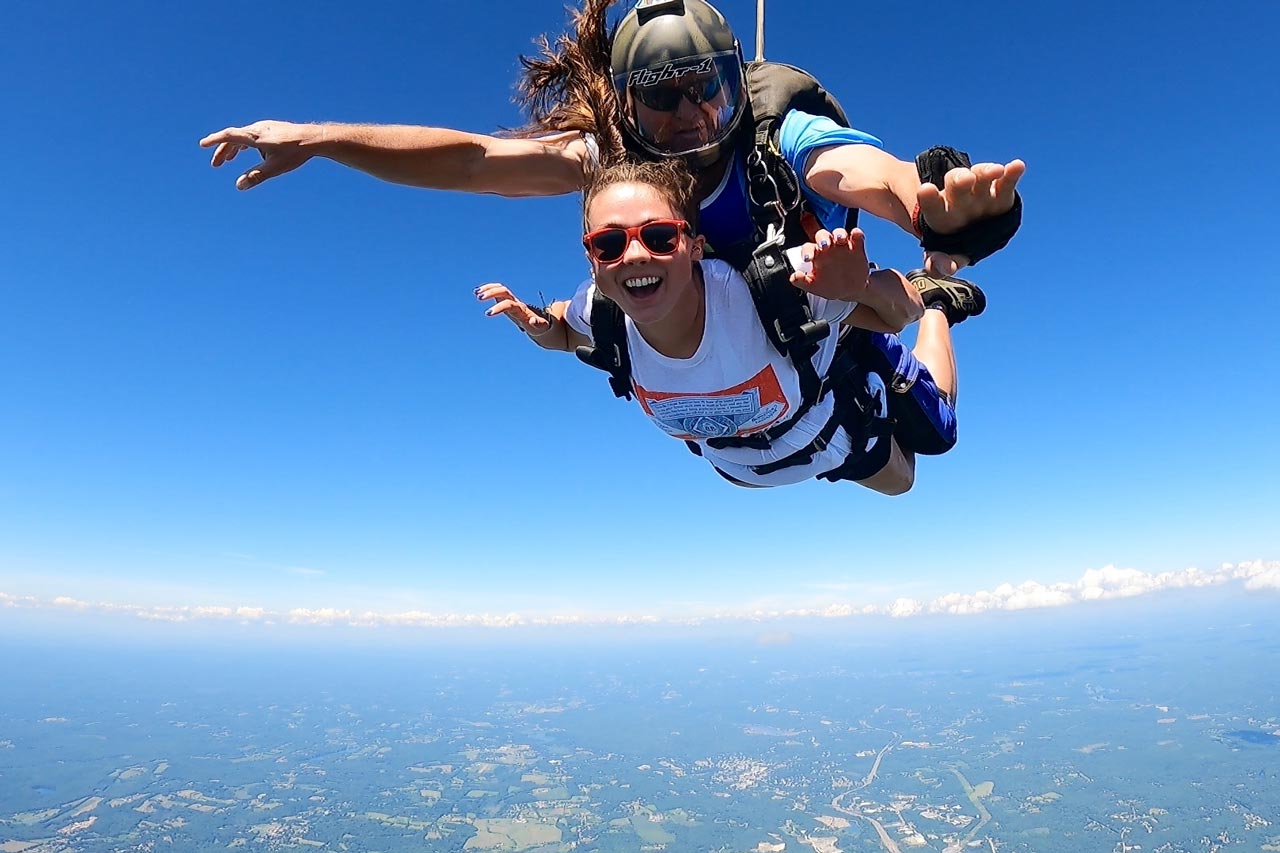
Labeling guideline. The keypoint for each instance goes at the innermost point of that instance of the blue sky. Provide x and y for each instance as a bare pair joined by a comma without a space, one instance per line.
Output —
288,399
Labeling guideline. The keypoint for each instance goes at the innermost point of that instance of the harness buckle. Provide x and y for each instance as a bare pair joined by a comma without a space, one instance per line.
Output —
808,333
774,238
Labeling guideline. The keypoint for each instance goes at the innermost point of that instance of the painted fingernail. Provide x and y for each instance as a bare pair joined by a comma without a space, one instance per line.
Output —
822,244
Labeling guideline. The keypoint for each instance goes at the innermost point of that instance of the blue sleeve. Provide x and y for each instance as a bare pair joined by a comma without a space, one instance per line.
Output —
803,133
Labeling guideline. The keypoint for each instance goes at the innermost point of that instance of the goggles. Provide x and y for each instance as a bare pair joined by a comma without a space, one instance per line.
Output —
666,99
660,237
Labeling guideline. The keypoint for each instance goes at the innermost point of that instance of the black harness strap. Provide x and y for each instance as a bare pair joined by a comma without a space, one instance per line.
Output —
774,90
804,455
609,350
857,409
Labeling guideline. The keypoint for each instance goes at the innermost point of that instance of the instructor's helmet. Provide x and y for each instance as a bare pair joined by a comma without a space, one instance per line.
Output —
679,75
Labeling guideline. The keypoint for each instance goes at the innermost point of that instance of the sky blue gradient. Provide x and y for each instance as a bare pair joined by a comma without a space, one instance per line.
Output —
289,397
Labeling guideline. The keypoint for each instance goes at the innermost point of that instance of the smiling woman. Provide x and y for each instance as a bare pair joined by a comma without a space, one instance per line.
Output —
654,281
685,337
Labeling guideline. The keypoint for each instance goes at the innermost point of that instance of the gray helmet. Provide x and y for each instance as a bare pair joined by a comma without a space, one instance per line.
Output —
679,75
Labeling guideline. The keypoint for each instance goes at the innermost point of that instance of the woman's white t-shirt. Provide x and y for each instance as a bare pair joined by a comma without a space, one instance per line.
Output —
736,383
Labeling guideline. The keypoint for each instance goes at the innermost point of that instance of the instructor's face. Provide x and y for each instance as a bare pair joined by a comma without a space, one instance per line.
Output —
694,119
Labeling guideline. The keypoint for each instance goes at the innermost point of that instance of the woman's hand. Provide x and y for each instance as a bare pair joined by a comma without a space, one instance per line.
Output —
840,267
532,323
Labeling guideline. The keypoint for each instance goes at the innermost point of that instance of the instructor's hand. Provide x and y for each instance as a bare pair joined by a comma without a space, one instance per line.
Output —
970,194
280,143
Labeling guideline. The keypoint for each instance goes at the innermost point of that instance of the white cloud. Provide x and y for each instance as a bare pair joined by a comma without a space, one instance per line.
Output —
1267,580
1109,582
905,607
1102,584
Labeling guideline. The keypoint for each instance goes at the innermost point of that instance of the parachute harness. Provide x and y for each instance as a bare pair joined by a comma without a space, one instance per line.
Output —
777,205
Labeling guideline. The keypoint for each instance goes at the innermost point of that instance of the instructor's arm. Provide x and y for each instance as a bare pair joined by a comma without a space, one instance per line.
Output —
430,157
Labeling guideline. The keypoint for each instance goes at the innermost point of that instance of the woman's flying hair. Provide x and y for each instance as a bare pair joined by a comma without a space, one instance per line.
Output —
569,85
671,178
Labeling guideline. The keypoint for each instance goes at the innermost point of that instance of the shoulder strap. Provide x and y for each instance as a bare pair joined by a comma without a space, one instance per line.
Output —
775,88
777,205
608,351
784,312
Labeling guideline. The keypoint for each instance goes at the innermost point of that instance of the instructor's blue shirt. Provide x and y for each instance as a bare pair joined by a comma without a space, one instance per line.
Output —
726,214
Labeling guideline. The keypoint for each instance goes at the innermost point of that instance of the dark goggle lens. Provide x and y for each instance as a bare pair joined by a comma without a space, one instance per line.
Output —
666,99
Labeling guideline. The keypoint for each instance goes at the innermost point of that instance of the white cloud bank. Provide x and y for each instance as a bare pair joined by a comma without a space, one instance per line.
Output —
1095,585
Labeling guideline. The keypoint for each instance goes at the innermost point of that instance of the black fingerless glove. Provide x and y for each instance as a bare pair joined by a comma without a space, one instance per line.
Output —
976,240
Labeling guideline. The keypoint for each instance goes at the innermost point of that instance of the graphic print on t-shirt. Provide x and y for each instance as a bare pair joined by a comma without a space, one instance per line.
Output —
750,407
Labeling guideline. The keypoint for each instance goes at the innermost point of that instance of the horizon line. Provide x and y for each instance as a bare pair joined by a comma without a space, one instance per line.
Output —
1107,583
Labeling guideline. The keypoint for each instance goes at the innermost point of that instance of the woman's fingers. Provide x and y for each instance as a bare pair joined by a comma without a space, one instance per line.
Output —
505,302
502,306
493,290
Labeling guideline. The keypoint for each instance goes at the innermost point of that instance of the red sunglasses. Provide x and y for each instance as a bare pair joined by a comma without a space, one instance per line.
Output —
659,237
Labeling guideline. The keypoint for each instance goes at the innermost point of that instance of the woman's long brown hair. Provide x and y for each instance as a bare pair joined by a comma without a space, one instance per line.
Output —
568,86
